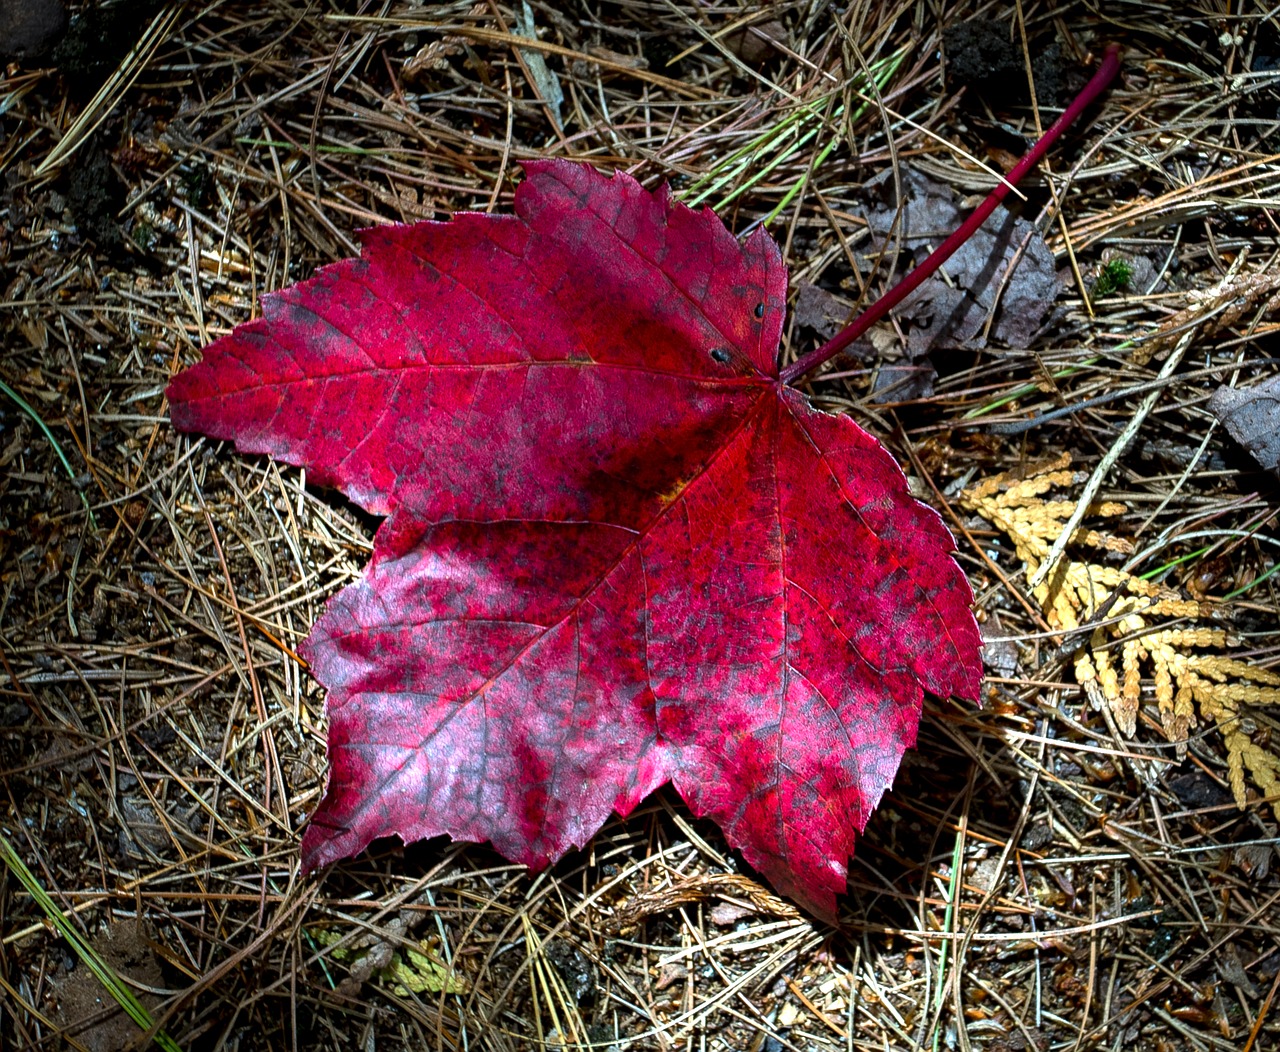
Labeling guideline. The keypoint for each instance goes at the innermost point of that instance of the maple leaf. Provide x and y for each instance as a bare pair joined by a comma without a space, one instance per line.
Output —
619,550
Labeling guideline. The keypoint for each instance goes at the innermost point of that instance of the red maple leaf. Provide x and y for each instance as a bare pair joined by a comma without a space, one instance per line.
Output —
619,550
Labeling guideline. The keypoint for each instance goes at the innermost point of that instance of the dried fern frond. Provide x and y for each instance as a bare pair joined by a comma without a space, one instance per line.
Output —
1128,638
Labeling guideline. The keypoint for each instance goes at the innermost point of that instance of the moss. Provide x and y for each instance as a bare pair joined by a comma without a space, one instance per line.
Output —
144,235
1113,276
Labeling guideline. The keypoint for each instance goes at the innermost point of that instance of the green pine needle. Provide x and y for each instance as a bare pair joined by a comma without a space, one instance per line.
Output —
134,1008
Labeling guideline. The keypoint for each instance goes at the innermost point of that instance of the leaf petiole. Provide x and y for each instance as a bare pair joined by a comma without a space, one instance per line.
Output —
1105,74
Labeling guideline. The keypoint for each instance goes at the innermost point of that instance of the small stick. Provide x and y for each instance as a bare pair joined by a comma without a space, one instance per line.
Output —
1106,73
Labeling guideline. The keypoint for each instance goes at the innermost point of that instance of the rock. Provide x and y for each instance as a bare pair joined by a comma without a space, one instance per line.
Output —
30,27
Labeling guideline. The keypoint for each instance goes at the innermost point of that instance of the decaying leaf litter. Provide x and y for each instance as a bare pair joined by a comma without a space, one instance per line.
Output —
162,746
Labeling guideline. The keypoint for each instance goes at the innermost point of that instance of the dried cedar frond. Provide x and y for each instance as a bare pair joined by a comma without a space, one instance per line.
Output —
1131,632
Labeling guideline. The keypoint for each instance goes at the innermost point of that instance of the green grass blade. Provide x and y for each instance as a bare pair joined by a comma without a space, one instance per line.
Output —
25,406
801,126
134,1008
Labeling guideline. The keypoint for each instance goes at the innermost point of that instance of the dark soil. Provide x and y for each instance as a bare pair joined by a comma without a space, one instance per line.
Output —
97,38
982,56
95,195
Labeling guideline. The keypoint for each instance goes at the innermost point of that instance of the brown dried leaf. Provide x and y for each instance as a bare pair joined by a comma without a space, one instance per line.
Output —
1252,417
953,312
820,310
739,889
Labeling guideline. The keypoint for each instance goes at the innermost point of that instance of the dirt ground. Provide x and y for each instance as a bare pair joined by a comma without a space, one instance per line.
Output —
1066,868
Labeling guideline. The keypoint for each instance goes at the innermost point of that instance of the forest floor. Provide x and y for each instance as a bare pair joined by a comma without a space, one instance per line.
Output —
1069,867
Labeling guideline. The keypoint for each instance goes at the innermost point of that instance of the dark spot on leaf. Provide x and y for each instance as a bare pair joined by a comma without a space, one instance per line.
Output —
759,310
720,355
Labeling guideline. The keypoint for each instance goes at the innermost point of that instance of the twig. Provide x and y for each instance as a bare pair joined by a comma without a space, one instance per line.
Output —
1262,1014
1105,74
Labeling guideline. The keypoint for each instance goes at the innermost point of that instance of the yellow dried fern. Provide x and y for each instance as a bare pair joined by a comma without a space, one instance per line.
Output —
1132,639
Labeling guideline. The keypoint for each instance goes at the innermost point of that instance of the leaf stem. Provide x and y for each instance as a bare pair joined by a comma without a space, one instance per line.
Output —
1105,74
